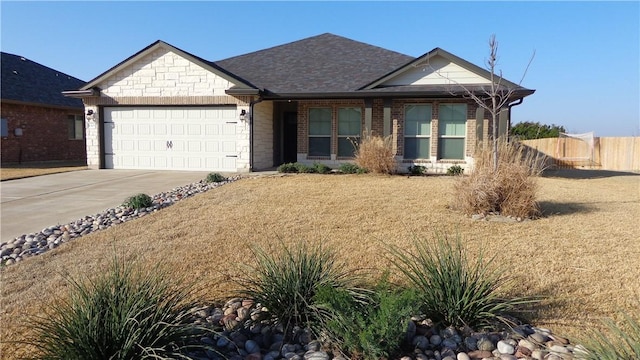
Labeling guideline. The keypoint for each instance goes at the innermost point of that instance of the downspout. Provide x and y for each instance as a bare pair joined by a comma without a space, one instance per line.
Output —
251,104
509,112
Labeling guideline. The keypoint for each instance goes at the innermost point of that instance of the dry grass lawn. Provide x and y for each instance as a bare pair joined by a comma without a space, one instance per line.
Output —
24,171
584,255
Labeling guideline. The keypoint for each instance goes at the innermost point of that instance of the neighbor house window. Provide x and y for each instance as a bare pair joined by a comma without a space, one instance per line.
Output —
417,131
4,128
76,127
349,130
320,132
452,128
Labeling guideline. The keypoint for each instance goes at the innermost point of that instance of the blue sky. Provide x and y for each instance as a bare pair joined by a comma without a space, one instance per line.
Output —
586,70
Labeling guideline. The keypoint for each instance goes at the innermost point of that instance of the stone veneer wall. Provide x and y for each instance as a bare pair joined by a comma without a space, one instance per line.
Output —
164,78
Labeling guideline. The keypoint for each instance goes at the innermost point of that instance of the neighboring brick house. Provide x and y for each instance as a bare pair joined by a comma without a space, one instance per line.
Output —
305,101
39,124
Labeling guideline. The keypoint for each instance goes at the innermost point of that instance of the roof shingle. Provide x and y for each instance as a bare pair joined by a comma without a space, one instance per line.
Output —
324,63
27,81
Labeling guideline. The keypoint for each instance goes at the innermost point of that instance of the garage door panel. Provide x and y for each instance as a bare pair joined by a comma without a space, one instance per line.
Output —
198,138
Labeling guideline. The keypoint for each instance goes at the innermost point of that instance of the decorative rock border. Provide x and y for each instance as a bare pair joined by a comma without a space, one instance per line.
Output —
242,333
51,237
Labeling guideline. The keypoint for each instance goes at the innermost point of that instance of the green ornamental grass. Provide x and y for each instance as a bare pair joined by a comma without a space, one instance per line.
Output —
287,281
139,201
453,289
128,312
623,343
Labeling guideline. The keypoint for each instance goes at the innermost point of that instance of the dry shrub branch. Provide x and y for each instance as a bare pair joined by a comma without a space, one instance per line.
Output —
375,154
510,189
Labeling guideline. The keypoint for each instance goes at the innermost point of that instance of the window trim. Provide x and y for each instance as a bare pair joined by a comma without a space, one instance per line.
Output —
75,118
351,136
430,124
309,135
463,137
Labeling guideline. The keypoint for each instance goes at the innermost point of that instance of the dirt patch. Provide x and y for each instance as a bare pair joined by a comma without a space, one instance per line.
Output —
583,255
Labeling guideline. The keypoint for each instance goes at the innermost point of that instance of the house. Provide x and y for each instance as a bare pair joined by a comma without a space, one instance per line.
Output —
39,124
305,101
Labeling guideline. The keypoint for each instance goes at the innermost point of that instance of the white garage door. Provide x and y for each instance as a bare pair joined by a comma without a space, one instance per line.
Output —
170,138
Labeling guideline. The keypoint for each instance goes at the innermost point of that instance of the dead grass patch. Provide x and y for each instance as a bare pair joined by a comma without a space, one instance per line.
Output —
586,262
24,171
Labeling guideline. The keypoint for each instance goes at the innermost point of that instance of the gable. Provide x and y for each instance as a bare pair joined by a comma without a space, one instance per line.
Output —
438,70
163,72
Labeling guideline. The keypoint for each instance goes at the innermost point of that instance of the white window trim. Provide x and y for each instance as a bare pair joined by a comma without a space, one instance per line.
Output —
404,150
464,137
309,135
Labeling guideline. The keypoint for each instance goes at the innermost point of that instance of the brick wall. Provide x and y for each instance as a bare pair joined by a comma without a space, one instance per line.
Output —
45,135
303,121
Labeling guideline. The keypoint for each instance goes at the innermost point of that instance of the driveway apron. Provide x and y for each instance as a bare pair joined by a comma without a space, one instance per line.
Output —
32,204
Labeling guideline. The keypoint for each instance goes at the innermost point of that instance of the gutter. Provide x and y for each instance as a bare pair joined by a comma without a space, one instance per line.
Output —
251,104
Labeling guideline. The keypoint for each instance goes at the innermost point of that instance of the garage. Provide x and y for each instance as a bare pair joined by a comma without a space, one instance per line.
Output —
171,138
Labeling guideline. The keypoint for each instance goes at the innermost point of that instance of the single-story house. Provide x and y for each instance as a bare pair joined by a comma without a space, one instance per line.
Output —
306,101
38,123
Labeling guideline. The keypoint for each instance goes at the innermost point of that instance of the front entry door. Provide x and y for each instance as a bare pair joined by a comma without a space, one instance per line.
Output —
290,137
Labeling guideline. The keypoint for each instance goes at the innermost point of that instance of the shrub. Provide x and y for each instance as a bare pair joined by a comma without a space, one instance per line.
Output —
321,168
129,312
371,329
287,282
510,189
622,343
139,201
215,177
417,170
305,169
455,170
349,168
288,168
454,290
376,154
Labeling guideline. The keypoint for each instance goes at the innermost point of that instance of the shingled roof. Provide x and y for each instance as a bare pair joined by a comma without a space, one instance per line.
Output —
325,63
26,81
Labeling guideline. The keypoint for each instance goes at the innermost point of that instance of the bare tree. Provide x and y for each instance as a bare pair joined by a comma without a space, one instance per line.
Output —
493,97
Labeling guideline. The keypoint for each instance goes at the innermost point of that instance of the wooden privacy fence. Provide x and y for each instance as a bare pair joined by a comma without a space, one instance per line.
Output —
608,153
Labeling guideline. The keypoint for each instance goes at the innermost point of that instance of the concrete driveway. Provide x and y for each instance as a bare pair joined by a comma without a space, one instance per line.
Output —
32,204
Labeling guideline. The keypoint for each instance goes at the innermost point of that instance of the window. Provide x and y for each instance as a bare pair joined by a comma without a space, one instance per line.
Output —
76,127
349,130
320,132
452,127
417,131
4,128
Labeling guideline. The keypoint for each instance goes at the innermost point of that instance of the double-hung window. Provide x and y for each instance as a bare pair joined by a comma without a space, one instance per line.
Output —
452,125
4,128
76,127
349,130
320,132
417,131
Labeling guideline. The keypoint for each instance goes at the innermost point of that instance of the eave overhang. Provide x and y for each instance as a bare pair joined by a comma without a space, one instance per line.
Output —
79,94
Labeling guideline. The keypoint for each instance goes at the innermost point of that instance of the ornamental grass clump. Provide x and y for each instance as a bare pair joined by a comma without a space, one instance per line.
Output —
508,189
286,283
455,290
139,201
622,343
128,312
375,154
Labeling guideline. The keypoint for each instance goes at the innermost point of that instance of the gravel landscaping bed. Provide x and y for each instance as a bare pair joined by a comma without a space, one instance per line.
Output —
243,335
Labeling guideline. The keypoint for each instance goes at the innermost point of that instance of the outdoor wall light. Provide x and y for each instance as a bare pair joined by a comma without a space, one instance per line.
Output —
90,112
243,115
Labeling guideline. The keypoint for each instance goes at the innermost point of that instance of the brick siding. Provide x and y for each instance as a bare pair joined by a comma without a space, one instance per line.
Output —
45,135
